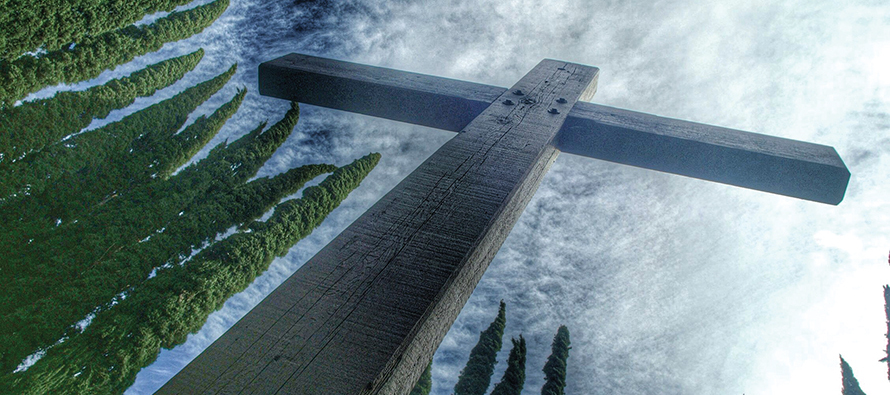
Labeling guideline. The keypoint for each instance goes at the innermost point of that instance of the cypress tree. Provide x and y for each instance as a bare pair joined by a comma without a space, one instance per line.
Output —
476,375
49,317
154,155
30,175
35,124
66,274
44,309
851,385
35,237
93,55
83,152
32,24
514,376
555,368
887,313
425,384
164,310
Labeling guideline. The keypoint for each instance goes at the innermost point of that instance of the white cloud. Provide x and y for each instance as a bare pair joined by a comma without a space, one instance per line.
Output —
667,284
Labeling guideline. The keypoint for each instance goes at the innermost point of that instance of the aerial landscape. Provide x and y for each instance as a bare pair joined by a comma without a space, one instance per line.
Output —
152,197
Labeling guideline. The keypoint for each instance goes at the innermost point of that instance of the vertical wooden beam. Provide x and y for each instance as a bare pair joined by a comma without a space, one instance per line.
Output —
366,314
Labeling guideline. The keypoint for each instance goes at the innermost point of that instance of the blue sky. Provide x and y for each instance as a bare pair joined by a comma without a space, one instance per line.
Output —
667,284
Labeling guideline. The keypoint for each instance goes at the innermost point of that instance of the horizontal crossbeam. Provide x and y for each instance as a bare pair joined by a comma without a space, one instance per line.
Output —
756,161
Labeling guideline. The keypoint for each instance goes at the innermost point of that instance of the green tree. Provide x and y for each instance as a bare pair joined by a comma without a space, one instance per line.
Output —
425,384
887,313
555,368
107,144
70,195
476,375
43,309
49,316
26,25
851,385
35,124
514,376
164,310
67,273
93,55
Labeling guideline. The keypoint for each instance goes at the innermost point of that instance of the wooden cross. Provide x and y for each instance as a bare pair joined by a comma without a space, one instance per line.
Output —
366,314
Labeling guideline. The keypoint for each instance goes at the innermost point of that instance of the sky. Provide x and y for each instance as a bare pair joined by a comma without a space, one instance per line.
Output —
668,285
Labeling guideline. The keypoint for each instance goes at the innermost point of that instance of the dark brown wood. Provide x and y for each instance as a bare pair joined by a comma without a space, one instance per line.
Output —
756,161
365,315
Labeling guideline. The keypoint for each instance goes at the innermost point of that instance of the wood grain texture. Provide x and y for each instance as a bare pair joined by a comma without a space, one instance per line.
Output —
756,161
420,99
366,314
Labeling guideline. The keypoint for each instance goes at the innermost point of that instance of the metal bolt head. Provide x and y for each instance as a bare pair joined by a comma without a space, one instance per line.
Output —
562,100
553,111
508,102
518,92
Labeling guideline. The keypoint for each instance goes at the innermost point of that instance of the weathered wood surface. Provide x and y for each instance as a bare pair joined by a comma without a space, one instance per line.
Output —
755,161
420,99
366,314
766,163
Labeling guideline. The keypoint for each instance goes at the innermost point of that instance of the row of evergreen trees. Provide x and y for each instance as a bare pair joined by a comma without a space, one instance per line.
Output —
163,310
848,380
95,235
26,25
110,254
121,225
81,55
32,125
475,378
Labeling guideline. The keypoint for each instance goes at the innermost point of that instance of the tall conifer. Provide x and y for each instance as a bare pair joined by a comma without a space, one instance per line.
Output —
851,385
555,368
35,124
887,313
93,55
162,312
83,265
107,143
476,375
151,158
26,25
514,376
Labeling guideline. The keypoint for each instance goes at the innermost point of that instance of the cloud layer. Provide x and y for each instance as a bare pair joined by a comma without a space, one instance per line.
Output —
667,284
